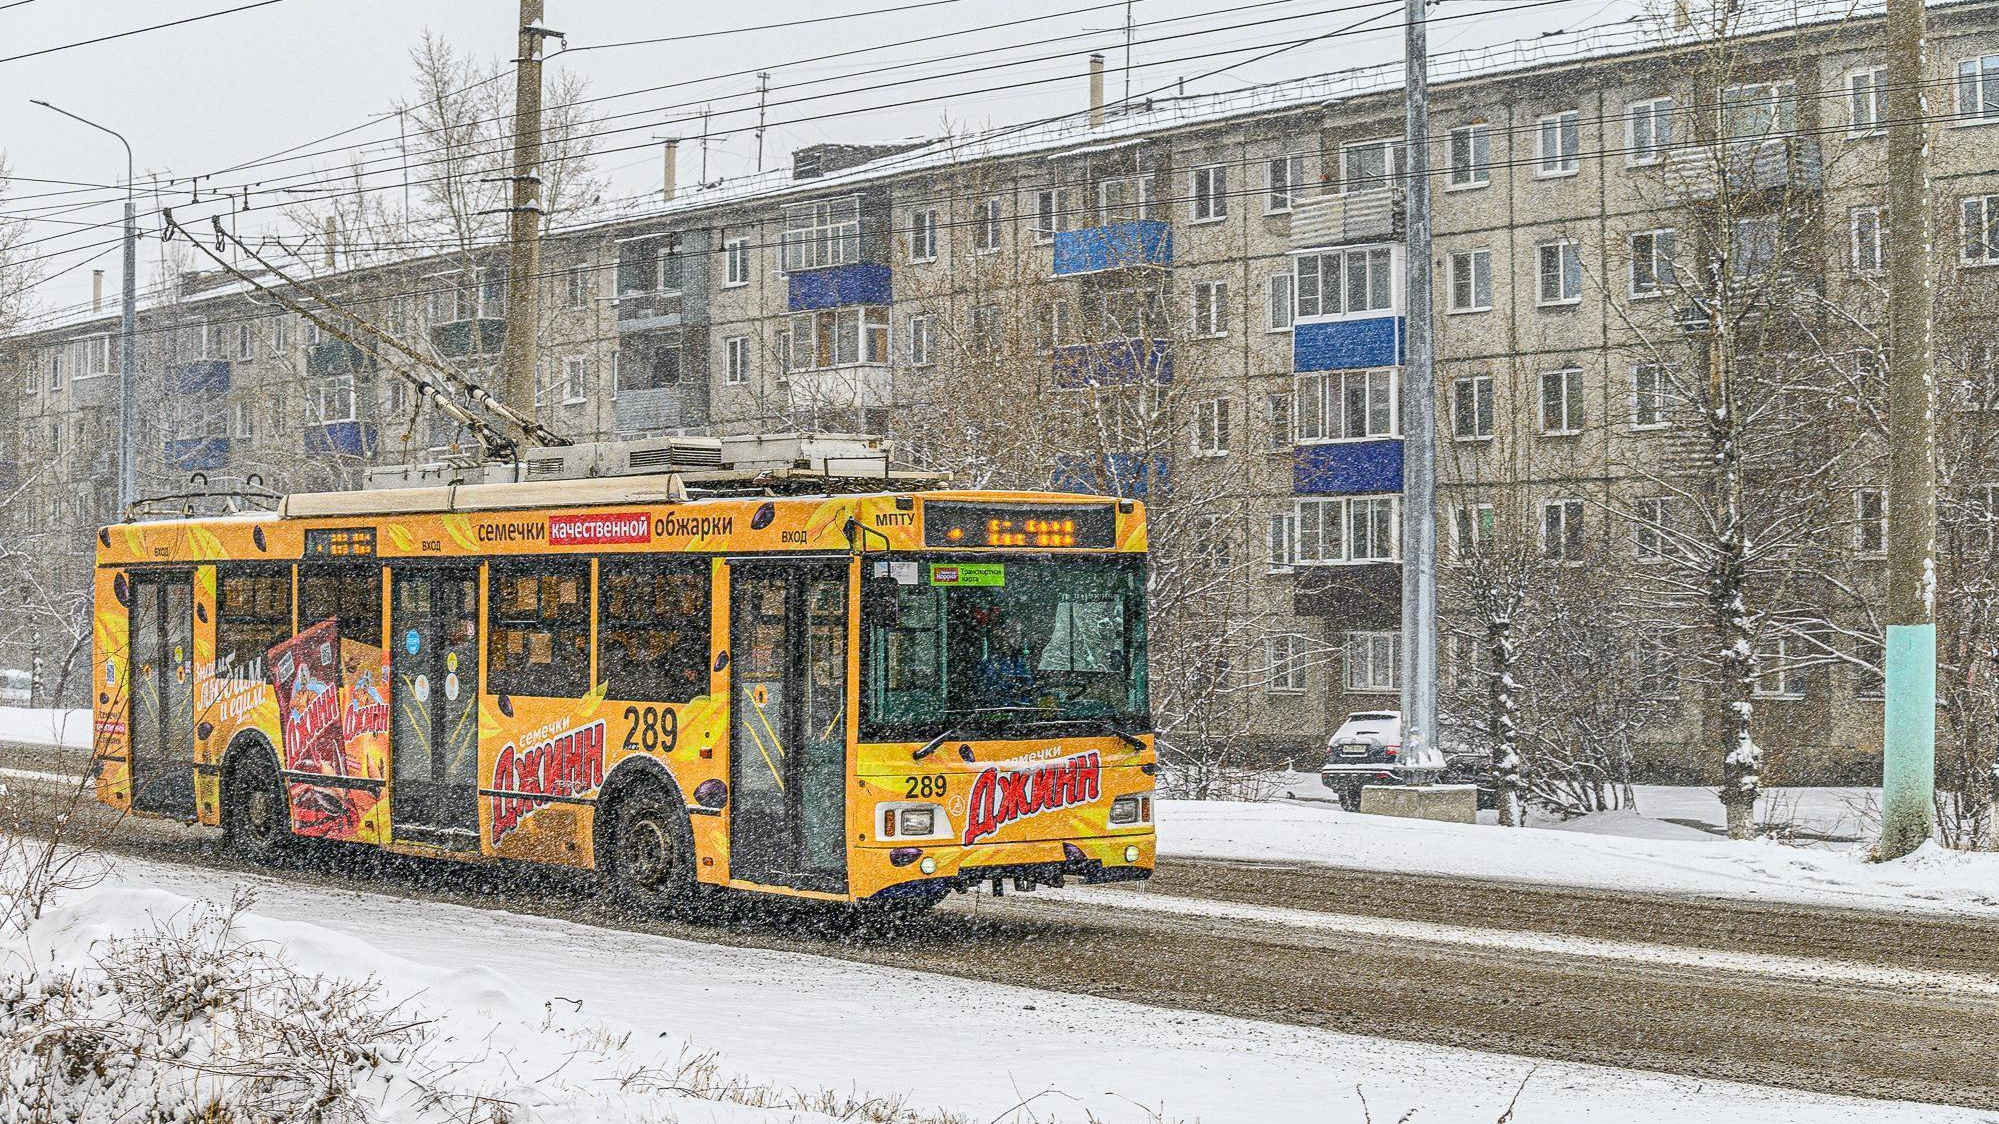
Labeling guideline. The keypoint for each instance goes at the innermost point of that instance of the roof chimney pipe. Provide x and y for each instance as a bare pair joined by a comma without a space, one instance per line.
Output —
97,290
670,169
332,242
1096,90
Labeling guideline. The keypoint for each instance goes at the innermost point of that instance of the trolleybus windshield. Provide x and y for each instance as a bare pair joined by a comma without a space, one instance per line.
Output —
1004,647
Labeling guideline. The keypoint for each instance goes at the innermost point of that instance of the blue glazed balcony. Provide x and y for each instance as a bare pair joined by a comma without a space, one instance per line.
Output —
1113,363
353,439
1120,245
202,376
1133,476
860,283
199,454
1338,345
1348,468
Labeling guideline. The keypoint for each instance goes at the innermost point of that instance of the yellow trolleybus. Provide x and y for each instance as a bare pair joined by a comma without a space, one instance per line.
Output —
875,697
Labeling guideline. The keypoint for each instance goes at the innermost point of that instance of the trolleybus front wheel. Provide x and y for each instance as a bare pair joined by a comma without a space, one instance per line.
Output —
652,853
255,820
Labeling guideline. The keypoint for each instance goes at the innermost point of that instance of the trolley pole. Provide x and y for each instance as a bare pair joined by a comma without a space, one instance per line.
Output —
520,352
1908,743
1419,410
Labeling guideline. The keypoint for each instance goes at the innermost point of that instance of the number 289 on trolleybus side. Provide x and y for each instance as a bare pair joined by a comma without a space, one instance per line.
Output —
869,698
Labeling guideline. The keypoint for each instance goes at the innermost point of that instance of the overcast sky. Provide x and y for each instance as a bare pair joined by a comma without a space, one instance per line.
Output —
239,87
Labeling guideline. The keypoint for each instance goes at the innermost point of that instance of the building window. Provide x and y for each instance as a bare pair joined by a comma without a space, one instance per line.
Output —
1471,529
816,235
538,629
1051,213
91,358
1982,519
243,421
1864,229
1345,282
1283,542
575,379
1651,531
281,335
333,399
652,629
1346,405
1759,111
1471,407
1211,193
1870,521
1979,224
1286,654
1277,302
1471,155
1284,183
1558,144
1124,199
1652,262
246,343
1648,396
1648,131
395,397
1863,101
1655,670
986,226
1752,252
1561,272
659,370
1471,281
737,349
576,286
1332,531
923,235
735,262
1978,89
985,329
1211,308
1781,676
1277,419
1562,530
920,354
839,337
1211,428
1367,165
1562,402
1374,661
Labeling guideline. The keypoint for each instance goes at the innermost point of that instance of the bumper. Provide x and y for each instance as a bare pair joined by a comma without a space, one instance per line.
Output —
1345,776
899,872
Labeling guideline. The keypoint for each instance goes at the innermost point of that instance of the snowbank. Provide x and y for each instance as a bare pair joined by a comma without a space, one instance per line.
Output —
20,725
553,1011
1931,879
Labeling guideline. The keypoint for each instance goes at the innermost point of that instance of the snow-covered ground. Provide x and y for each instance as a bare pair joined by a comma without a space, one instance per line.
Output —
552,1014
45,726
1932,879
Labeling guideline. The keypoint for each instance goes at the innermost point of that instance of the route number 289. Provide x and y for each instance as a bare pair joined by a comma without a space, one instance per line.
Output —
923,786
654,729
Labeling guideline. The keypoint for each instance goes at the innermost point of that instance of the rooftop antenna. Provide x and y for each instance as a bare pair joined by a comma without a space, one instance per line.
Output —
1127,51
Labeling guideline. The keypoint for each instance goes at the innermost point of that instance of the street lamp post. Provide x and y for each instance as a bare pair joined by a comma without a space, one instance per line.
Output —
128,343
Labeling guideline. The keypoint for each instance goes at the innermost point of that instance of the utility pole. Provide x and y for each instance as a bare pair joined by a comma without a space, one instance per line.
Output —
1908,742
520,353
1419,410
763,88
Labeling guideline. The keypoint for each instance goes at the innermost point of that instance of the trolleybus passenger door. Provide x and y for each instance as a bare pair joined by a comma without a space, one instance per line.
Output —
162,686
434,738
788,723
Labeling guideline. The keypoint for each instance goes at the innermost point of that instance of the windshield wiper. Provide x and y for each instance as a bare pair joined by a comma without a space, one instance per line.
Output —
952,731
1104,724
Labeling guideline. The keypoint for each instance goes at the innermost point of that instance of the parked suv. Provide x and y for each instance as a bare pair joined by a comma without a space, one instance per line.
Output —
1367,749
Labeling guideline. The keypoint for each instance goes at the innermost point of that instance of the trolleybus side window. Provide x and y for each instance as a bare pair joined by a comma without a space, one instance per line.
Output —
253,611
352,593
538,630
652,629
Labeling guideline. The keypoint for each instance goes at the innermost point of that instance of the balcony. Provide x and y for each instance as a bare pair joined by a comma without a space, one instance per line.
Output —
1364,597
1133,476
198,454
460,338
833,286
201,376
336,357
840,388
1348,468
347,438
1339,345
1357,216
1119,245
1693,172
1113,363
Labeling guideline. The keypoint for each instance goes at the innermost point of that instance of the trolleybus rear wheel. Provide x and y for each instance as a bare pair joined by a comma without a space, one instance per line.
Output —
254,817
652,853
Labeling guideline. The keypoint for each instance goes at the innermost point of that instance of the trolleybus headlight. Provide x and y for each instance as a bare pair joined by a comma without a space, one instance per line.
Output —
916,821
912,821
1132,810
1131,854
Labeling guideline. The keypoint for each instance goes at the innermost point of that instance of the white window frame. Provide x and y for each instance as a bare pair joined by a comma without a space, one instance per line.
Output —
245,350
1870,528
1279,308
331,391
1649,378
281,335
1977,84
1473,142
1978,230
824,337
736,361
1382,673
1867,237
1320,399
1208,193
92,358
1788,681
821,233
1394,162
1573,394
1051,213
1283,542
575,379
923,235
1775,101
1648,131
1211,427
1283,182
1864,102
988,231
1652,520
577,288
1569,536
1470,281
1483,391
735,263
1984,517
1568,266
1287,670
1471,525
1651,270
1326,526
1750,233
1137,209
1211,309
1386,287
1558,144
922,340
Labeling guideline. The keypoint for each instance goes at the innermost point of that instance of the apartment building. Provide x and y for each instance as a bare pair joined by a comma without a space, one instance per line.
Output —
1247,249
